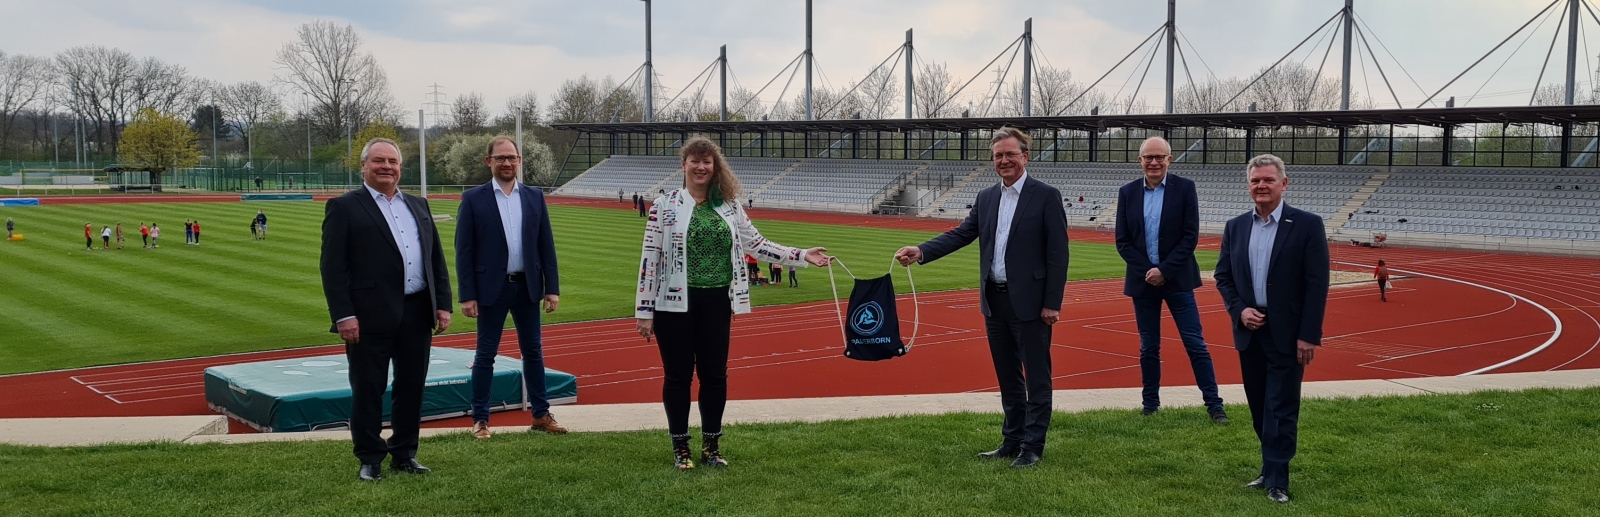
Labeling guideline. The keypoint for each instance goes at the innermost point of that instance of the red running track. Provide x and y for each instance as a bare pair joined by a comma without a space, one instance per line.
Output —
1454,312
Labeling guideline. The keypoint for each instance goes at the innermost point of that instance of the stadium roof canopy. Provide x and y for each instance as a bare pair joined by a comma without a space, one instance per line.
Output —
1436,117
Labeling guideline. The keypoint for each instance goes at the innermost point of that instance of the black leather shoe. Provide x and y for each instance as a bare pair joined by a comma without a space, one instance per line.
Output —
373,472
1259,483
1025,459
1147,411
409,466
1219,416
1278,495
1005,452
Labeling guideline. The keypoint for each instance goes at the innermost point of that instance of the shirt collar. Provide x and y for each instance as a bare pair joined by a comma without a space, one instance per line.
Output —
1163,183
1277,214
378,196
495,184
1018,185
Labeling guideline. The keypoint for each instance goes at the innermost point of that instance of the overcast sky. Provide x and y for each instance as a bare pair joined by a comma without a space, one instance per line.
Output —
504,47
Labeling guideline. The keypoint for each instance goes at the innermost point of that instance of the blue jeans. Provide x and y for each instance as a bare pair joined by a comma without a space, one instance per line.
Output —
1147,311
524,311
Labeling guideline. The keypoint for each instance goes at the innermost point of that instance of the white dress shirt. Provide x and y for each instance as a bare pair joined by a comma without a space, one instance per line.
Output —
1002,232
510,221
403,226
1262,235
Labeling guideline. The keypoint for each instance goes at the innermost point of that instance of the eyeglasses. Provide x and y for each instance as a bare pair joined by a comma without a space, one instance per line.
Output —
1007,156
1154,157
510,158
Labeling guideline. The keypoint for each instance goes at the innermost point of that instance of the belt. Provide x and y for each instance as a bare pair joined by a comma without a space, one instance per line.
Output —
999,287
516,278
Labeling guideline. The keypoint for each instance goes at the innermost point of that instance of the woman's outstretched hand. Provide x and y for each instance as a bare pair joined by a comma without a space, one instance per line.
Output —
818,257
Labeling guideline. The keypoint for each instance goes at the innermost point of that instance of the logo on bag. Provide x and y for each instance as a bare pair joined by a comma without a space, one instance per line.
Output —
867,319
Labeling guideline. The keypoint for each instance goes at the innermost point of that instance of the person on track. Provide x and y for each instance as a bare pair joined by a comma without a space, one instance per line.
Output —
1381,273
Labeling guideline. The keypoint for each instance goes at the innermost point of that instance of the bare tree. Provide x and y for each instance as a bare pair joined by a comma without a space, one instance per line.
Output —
933,88
826,104
526,105
743,104
344,83
24,81
576,100
96,84
248,103
1053,89
468,112
878,94
1291,87
167,88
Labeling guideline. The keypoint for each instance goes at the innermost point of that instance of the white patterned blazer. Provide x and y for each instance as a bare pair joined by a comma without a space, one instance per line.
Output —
663,268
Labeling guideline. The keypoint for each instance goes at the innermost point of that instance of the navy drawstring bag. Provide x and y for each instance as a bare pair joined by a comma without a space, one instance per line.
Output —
871,325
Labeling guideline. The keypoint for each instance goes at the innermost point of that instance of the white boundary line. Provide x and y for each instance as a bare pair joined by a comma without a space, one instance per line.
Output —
1508,362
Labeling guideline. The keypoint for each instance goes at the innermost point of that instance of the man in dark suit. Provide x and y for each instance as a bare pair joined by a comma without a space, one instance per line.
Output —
1021,230
1273,276
506,263
1158,225
387,285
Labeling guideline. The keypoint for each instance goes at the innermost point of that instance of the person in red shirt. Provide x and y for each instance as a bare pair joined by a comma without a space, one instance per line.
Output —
196,232
1382,274
144,233
88,237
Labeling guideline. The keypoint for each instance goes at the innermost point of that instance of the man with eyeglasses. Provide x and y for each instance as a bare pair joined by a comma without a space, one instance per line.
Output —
1158,225
1021,229
506,263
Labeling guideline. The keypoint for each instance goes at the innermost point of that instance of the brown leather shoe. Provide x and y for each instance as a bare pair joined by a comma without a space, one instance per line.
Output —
548,424
480,430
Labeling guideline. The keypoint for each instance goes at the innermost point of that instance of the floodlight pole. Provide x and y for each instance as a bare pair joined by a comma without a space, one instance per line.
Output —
1572,49
910,91
1344,81
520,165
422,149
649,70
809,115
1027,68
722,64
1172,45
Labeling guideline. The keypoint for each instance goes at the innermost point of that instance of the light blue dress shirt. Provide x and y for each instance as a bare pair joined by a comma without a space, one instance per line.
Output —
1262,235
1153,199
510,221
403,226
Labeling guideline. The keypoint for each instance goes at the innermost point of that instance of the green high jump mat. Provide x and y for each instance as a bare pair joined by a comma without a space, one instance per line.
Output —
313,393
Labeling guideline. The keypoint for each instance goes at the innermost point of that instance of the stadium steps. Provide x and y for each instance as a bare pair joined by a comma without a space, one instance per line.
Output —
660,185
776,179
954,189
893,192
1357,200
1107,218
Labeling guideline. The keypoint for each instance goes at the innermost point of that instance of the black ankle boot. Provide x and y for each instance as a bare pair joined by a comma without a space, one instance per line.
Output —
680,452
711,450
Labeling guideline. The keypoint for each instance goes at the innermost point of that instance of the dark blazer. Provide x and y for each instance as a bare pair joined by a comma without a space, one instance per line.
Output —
1036,250
1297,280
1180,232
481,245
363,273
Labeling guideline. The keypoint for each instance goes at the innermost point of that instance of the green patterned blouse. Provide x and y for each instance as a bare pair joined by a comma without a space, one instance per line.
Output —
709,249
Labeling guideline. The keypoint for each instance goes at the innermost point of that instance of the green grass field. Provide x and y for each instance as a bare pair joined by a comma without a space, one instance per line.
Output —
1491,453
63,307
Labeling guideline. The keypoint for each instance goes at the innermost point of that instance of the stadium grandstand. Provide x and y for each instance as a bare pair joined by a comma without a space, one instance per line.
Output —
1376,176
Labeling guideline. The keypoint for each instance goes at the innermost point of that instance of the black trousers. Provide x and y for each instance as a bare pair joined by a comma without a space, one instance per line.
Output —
1021,353
690,341
407,347
1272,387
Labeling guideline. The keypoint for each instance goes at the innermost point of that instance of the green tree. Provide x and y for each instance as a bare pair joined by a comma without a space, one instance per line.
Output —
377,129
158,142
